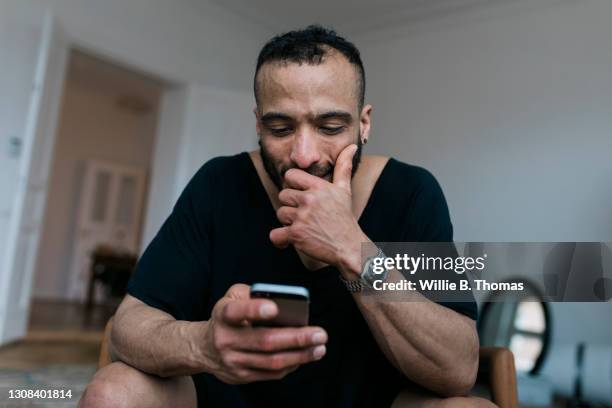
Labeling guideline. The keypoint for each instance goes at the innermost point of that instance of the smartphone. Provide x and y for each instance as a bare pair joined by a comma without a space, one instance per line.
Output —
292,302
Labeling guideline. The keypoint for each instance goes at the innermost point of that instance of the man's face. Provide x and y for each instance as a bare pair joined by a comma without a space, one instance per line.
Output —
307,114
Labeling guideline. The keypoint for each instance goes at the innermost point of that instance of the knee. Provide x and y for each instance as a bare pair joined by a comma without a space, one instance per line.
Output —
110,387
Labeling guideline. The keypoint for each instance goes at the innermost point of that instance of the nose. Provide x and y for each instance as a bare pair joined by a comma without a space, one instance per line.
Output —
305,151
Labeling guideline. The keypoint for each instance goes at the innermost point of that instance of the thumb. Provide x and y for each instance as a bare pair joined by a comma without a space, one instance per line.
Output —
238,291
344,167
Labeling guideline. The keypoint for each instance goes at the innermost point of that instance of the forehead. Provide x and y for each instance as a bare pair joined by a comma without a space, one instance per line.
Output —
299,88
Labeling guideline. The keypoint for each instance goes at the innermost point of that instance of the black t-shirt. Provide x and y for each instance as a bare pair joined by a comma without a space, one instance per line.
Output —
217,235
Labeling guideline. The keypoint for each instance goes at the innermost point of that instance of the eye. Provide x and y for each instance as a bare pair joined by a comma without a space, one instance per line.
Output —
280,131
332,130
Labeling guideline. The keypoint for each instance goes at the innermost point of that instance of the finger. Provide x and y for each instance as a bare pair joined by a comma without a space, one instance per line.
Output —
344,167
290,197
277,339
236,312
280,237
299,179
283,360
286,215
238,291
249,375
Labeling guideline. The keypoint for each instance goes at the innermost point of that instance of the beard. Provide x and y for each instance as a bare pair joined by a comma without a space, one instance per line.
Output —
319,170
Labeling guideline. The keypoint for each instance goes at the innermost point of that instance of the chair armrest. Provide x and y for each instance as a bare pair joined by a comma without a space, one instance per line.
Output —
496,368
105,358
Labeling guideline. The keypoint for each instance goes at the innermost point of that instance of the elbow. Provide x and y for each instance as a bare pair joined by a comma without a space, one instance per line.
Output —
456,379
454,373
461,377
460,384
114,345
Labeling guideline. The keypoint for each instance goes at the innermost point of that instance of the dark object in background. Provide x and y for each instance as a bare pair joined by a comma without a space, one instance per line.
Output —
111,268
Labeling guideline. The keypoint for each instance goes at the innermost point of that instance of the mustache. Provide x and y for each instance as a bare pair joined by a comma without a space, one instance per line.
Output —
316,169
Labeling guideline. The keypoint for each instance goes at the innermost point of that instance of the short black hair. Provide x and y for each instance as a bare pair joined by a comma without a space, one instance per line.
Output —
309,46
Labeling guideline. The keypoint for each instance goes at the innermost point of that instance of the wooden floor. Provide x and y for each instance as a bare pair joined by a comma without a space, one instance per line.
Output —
64,317
58,333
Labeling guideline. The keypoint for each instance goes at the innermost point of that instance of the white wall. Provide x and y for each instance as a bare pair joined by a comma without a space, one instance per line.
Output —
510,106
216,122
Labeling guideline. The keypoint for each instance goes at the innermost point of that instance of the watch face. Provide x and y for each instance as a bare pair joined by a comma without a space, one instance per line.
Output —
368,275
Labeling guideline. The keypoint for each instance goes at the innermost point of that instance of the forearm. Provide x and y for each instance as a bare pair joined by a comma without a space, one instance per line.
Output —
431,344
154,342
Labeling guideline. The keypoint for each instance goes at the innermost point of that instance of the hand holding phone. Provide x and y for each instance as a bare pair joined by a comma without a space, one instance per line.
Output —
237,351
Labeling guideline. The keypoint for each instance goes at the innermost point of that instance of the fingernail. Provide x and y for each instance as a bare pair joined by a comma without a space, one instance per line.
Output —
318,352
267,310
318,338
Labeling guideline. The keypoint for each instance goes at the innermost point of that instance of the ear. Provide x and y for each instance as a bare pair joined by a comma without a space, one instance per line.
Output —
257,124
365,122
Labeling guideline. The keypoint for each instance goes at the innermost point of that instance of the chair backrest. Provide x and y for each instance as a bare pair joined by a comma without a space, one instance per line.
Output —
496,371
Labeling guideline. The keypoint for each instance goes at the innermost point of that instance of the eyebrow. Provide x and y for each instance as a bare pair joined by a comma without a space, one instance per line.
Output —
270,116
343,115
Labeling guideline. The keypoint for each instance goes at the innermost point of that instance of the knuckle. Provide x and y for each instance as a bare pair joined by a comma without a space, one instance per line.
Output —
309,198
236,290
226,359
218,343
266,342
301,339
296,233
221,341
276,363
226,313
284,196
219,310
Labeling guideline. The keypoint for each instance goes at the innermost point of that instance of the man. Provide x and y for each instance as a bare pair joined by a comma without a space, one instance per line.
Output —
295,212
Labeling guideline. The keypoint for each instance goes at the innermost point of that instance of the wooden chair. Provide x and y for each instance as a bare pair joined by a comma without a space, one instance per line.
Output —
496,373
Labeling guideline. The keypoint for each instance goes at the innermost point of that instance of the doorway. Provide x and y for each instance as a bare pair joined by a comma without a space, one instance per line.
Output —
97,188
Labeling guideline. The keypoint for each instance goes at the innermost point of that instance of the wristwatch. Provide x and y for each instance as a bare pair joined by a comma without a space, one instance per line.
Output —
368,276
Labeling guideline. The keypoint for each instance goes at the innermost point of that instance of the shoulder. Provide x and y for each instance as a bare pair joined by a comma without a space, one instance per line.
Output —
411,179
222,165
225,168
420,194
213,178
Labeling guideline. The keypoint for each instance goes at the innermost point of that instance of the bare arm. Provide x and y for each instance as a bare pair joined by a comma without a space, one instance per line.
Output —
154,342
226,345
432,345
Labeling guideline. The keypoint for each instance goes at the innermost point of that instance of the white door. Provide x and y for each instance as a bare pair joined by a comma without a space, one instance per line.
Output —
110,213
25,224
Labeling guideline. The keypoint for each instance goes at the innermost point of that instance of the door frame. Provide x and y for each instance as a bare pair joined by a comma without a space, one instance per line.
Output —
27,211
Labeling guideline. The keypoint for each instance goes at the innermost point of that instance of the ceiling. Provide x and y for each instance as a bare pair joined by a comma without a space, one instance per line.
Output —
347,16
